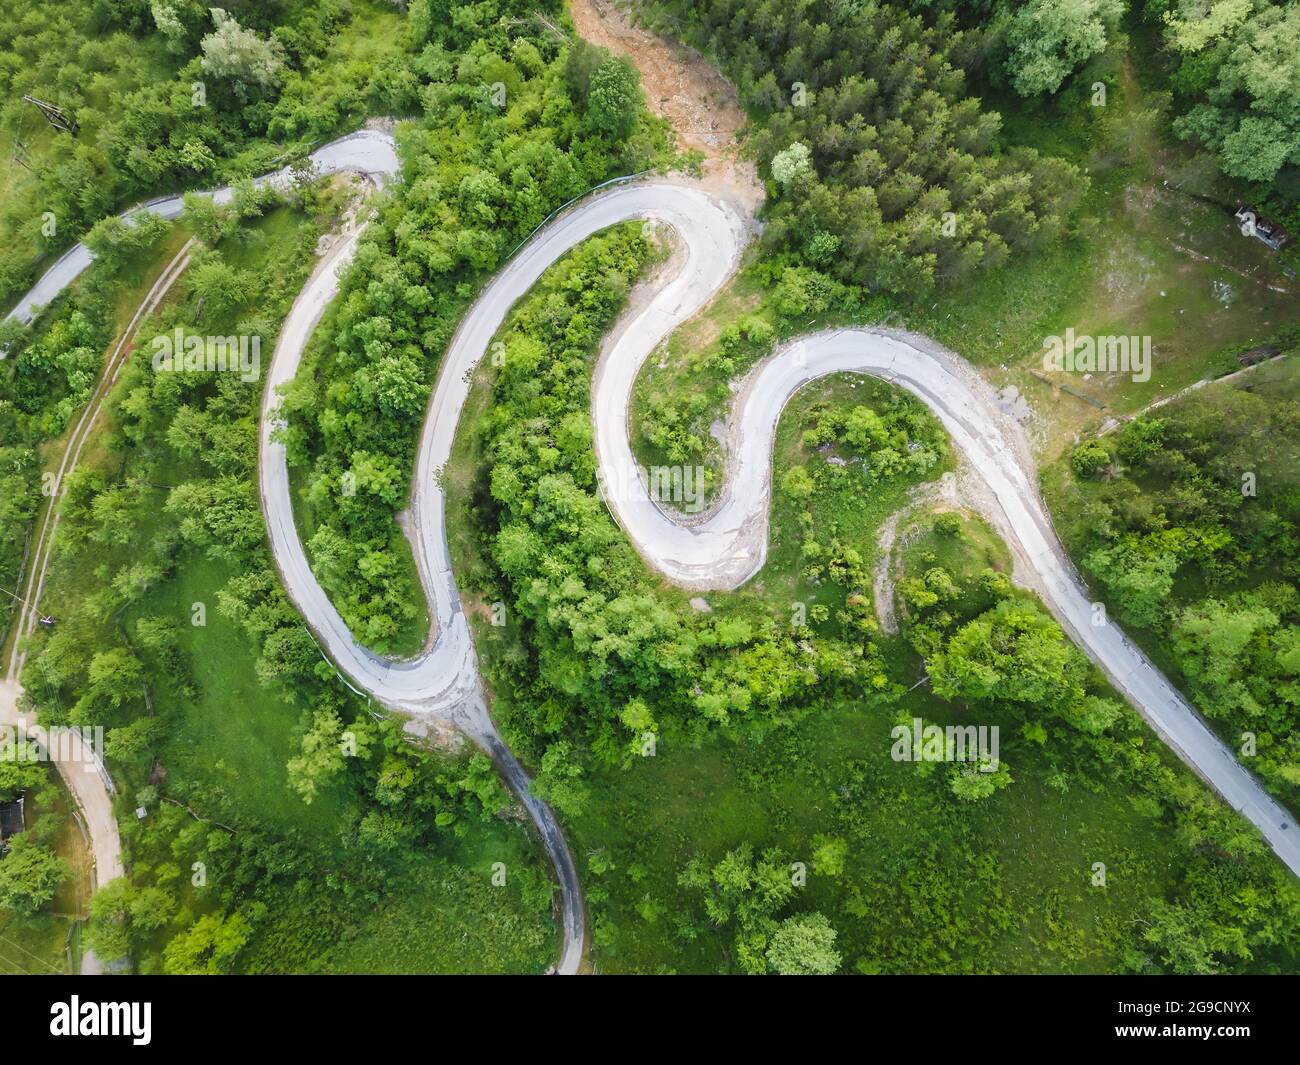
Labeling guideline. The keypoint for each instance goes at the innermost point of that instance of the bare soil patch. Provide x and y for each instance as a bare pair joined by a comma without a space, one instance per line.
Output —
683,87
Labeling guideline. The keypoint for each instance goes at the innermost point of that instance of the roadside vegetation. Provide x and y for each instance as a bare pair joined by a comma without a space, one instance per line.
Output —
285,823
48,377
1149,247
886,181
517,122
728,774
285,828
727,764
1158,250
165,95
162,98
1186,523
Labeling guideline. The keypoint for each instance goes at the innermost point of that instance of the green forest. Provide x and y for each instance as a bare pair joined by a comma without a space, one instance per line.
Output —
231,741
479,181
762,719
288,826
1186,520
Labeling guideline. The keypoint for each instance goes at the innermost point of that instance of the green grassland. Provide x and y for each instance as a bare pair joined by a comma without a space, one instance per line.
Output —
927,877
1156,253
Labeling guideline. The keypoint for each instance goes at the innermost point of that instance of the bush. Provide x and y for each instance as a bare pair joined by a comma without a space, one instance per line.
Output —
1090,458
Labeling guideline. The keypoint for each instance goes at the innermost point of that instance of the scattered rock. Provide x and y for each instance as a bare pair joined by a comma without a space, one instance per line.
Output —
1013,404
435,733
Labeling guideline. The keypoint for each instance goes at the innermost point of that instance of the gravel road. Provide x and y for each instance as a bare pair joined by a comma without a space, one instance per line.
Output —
729,545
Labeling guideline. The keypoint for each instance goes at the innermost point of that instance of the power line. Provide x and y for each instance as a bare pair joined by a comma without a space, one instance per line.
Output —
41,960
54,114
19,153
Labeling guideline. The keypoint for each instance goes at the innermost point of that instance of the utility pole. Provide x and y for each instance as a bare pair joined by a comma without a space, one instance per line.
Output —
20,155
54,114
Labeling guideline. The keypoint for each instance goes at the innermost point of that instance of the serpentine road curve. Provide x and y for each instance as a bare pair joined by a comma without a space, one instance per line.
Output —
729,545
722,549
367,152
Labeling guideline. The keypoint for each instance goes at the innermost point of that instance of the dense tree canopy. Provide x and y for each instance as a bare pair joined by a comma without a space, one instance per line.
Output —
166,94
864,122
1195,537
479,179
218,882
1239,65
1048,39
30,874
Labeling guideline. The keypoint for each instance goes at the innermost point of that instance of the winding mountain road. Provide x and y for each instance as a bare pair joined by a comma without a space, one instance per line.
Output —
457,698
722,549
87,780
367,152
729,546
